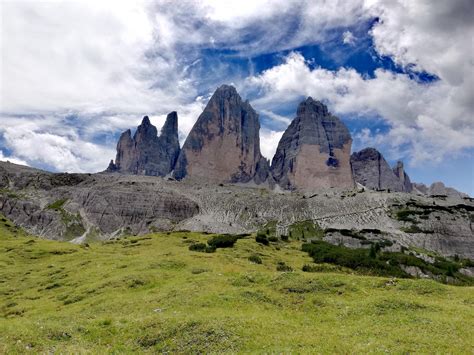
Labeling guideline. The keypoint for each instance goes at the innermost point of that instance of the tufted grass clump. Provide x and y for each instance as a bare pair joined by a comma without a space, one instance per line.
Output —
254,258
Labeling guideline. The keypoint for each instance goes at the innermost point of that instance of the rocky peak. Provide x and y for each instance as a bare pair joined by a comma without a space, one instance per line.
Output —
170,128
312,106
146,132
371,170
403,176
314,151
438,189
224,144
146,153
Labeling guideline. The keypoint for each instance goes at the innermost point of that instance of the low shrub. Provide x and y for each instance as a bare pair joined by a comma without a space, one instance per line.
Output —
413,229
254,258
357,259
198,247
223,241
380,263
281,266
273,239
305,229
284,238
262,239
311,268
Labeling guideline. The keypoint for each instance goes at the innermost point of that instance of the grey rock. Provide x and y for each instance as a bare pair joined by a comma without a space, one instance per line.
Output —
314,151
146,153
371,170
403,177
224,144
438,189
110,204
106,203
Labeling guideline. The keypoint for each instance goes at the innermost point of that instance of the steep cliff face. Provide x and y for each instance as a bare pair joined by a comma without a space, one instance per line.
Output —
314,151
224,144
146,153
370,169
403,177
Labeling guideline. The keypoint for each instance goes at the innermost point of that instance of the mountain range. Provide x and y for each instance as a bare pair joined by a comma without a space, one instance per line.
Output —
224,147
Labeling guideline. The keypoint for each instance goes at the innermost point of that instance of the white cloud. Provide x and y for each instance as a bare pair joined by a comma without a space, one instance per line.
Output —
11,159
348,38
31,141
271,25
424,116
435,36
269,142
59,56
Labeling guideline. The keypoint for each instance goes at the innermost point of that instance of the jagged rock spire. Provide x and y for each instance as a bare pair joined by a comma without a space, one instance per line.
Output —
224,144
146,153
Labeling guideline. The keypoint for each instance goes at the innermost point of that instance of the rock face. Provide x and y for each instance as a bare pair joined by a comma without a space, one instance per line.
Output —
403,177
314,151
370,169
90,206
224,144
146,153
439,189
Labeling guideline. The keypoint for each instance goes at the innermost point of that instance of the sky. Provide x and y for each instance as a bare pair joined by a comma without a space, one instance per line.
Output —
399,73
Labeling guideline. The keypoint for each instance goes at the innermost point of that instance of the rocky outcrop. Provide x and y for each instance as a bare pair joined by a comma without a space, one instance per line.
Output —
146,153
403,177
438,189
314,151
371,170
86,207
224,144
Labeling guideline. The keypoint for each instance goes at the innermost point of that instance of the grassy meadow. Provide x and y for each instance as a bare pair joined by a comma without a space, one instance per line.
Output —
152,294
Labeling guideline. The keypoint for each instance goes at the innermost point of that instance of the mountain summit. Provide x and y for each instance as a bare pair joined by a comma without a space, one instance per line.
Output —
224,144
314,151
146,153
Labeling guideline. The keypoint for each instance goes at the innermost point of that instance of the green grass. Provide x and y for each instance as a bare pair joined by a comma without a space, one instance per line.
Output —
152,294
72,222
375,262
305,229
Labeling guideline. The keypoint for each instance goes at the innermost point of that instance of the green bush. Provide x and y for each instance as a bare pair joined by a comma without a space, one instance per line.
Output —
57,205
254,258
284,238
198,247
269,229
305,229
358,259
281,266
311,268
346,232
223,241
273,239
218,241
405,215
262,239
412,229
374,261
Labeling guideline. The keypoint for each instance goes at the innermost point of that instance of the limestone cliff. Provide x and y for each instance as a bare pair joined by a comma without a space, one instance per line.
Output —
403,177
147,153
370,169
224,144
314,151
